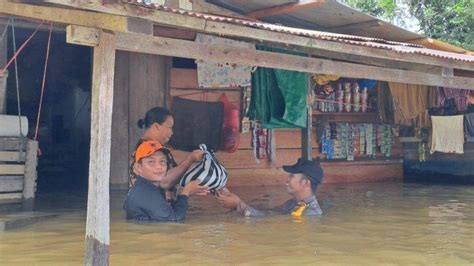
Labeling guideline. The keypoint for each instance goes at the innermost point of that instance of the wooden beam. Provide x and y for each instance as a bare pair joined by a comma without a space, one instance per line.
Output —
31,24
170,32
371,61
440,45
82,35
463,73
285,9
241,31
139,26
339,47
98,205
77,17
222,53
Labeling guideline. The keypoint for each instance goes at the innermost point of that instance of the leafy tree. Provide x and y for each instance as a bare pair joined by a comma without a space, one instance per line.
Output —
448,20
379,8
451,21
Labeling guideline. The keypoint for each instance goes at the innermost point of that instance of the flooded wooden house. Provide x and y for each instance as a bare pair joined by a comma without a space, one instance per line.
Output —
357,74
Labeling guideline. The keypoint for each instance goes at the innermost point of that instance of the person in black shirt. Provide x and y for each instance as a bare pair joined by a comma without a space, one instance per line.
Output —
146,200
303,181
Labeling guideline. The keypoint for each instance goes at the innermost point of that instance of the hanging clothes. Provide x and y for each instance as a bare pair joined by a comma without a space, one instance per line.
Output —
271,146
279,97
469,127
423,120
470,108
459,96
409,101
196,123
259,143
448,134
384,103
222,75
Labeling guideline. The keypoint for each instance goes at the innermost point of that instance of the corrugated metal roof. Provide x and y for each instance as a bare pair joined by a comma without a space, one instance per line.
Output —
335,16
399,47
325,17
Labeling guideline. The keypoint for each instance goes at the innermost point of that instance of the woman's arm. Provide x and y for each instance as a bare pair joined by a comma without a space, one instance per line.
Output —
174,174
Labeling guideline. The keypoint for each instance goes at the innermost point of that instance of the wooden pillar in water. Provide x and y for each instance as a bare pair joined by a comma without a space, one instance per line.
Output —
98,205
3,62
29,184
306,146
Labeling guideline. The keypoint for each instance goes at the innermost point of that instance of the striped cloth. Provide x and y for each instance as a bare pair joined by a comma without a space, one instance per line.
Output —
209,171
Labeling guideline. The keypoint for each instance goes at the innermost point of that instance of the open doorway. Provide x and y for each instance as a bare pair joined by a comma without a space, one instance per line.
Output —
64,128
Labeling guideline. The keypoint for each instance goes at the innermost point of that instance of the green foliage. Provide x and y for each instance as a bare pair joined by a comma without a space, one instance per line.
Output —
448,20
378,8
451,21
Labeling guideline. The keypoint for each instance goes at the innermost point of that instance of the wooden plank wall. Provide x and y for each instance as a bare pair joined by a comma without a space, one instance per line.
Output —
140,84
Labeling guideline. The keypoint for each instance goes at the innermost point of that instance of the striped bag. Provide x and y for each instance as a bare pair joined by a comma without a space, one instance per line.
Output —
209,171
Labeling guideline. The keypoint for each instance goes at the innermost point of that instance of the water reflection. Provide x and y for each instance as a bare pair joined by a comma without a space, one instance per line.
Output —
362,224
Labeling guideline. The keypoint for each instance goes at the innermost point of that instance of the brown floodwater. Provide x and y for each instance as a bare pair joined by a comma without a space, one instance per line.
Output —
363,224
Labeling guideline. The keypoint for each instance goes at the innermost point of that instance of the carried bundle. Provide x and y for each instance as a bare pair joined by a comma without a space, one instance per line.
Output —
209,171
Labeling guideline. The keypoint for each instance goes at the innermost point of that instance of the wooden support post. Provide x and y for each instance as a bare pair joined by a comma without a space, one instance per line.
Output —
98,210
3,91
3,61
306,147
29,184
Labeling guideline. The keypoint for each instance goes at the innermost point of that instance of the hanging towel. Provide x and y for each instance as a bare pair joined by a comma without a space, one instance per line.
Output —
469,127
222,75
448,134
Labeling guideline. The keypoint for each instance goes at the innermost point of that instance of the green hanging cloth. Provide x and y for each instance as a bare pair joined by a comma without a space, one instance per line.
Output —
279,96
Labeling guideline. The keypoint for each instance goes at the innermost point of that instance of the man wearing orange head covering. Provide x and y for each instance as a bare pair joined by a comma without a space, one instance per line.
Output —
147,200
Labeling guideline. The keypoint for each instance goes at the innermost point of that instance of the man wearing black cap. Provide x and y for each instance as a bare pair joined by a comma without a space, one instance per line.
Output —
304,178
